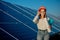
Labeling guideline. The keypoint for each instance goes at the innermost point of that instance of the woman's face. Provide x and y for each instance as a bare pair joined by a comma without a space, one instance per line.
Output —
42,12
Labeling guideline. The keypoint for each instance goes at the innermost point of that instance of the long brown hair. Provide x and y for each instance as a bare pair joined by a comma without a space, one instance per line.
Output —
42,8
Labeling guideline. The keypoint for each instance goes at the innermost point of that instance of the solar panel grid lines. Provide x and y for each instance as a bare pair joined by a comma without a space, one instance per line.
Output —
16,11
19,20
24,10
9,33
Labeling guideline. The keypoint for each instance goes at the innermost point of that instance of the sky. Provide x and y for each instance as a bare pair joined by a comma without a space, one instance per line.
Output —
52,6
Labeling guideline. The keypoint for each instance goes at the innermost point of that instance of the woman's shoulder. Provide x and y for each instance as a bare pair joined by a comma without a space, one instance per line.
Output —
50,20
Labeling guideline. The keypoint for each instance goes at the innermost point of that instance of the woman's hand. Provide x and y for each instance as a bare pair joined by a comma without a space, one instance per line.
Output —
49,29
38,13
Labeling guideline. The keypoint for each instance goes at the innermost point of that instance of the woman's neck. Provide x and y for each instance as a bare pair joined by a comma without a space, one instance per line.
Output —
42,17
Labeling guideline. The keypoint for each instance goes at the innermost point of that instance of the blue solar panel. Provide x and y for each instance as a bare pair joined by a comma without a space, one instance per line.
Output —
20,25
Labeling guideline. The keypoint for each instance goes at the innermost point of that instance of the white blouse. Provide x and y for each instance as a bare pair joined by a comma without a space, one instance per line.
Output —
42,24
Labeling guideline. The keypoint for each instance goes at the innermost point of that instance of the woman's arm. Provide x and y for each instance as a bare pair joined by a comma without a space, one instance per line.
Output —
35,20
50,21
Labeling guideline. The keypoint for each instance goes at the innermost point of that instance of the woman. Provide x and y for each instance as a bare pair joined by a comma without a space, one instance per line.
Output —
42,23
